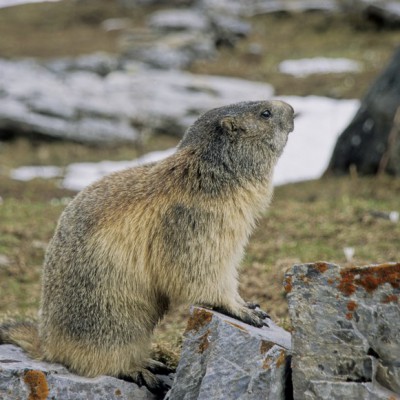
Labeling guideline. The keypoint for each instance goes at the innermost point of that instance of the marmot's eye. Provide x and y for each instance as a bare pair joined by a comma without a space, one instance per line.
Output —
266,114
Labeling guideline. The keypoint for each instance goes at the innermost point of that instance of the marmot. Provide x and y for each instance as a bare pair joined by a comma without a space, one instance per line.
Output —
137,241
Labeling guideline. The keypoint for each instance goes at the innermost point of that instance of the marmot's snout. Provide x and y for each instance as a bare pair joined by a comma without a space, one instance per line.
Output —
286,112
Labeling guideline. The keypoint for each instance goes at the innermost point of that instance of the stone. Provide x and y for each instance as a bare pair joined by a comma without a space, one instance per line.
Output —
346,337
251,8
371,142
100,63
178,20
228,29
175,38
120,107
223,358
24,378
176,50
384,14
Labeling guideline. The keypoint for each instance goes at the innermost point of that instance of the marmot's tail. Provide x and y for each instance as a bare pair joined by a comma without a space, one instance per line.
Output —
22,334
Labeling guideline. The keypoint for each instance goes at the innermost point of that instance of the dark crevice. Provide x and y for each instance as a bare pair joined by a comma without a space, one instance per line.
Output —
361,379
289,395
373,353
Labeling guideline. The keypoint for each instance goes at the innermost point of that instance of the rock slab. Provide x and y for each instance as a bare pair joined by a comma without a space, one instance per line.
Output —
24,378
223,358
119,107
346,338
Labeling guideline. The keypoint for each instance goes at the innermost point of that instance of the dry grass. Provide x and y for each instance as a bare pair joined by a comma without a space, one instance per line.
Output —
281,37
66,28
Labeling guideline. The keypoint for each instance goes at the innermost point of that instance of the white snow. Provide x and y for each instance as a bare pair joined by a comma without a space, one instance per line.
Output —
79,175
318,123
28,173
318,65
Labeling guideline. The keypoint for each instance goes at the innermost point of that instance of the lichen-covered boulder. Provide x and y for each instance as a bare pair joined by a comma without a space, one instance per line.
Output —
24,378
346,331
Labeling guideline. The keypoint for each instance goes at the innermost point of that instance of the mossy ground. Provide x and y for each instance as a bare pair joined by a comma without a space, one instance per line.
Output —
307,221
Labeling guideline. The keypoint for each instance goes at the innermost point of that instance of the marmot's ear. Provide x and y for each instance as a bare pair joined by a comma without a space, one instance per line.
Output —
228,125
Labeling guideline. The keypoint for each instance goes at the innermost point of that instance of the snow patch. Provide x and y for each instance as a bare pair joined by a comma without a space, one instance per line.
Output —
318,65
80,175
28,173
318,124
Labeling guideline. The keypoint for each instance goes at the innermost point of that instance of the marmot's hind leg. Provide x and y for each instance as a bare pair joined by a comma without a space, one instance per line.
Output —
143,377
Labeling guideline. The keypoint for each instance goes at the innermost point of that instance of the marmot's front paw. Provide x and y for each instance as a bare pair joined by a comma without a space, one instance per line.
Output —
245,314
253,317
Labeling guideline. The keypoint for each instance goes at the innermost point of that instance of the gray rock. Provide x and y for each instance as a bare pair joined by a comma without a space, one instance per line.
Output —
255,7
346,338
23,378
223,358
120,107
175,38
178,20
382,13
370,143
172,51
228,29
99,63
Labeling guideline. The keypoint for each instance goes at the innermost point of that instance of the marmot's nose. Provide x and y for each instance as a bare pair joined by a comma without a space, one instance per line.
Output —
283,104
287,113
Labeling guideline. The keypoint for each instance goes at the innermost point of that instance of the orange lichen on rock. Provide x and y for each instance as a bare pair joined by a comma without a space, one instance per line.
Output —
266,346
37,382
352,305
287,284
320,267
204,342
281,359
390,298
346,284
199,318
369,278
349,315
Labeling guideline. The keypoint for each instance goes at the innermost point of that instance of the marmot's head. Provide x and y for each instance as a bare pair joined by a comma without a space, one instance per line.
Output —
259,124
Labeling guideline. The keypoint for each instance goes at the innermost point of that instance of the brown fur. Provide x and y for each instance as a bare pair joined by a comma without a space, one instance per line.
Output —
138,241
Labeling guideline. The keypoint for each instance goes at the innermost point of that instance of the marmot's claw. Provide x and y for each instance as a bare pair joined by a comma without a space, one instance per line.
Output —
256,308
158,367
261,313
251,305
265,324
